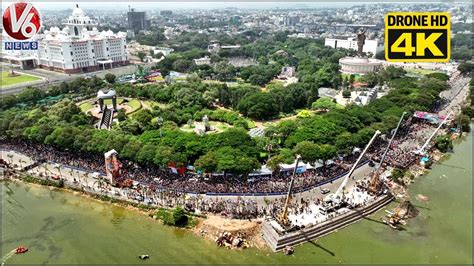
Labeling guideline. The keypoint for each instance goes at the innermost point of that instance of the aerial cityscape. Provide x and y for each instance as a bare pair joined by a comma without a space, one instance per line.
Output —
224,133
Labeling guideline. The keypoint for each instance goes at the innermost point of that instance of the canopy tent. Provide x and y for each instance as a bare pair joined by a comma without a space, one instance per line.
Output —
432,118
302,167
262,172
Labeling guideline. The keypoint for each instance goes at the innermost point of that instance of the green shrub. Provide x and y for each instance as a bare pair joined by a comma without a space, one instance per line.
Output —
179,217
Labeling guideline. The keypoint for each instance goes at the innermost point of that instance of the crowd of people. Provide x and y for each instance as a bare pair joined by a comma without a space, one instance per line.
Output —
164,188
188,182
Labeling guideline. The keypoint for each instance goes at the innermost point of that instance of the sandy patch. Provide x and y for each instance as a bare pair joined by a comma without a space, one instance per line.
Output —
211,227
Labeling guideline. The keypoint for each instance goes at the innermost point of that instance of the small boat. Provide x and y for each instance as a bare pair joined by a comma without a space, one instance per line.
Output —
144,257
21,249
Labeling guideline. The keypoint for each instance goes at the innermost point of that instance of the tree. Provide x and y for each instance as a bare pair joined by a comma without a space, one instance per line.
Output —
224,71
179,217
325,104
397,175
444,143
121,116
146,154
164,155
259,106
327,152
143,117
207,162
141,55
346,93
110,78
308,150
274,162
182,65
466,68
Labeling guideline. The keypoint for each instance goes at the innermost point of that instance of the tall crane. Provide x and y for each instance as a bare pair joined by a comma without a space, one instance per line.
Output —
421,151
375,178
284,215
334,196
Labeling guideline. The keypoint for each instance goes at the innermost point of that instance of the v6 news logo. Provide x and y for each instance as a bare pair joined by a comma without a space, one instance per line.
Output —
21,21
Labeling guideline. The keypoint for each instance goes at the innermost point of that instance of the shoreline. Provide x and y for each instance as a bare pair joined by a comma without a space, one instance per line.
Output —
203,228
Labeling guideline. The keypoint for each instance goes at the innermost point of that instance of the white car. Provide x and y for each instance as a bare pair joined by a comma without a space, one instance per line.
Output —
324,190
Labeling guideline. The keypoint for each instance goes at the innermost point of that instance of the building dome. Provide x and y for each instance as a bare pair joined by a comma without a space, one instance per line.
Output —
359,65
54,30
78,12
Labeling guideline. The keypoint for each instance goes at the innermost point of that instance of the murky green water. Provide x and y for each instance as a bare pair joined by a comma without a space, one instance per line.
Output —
60,227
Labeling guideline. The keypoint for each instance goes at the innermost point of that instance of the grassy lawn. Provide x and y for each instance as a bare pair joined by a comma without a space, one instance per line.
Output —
6,80
134,104
186,128
420,71
86,106
109,101
218,126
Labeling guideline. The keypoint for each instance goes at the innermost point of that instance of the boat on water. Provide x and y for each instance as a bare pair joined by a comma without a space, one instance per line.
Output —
144,257
21,249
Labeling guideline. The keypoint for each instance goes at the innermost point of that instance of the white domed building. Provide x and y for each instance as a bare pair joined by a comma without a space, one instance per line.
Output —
80,47
360,65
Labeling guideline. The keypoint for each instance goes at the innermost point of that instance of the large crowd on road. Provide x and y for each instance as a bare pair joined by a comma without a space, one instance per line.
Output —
165,188
164,179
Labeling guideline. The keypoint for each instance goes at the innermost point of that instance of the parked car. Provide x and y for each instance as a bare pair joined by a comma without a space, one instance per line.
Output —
325,190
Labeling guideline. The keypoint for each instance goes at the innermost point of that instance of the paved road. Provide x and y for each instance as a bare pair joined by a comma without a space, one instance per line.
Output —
456,95
86,179
50,78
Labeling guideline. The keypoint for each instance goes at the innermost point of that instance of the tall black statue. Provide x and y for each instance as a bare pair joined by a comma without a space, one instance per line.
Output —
360,40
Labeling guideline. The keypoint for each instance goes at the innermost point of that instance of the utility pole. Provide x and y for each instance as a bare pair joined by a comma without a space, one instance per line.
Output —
284,215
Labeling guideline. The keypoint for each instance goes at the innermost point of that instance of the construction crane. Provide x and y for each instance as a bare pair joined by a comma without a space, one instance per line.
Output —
421,151
284,215
335,196
374,182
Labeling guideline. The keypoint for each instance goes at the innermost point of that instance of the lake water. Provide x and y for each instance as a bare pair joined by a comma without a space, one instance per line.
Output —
60,227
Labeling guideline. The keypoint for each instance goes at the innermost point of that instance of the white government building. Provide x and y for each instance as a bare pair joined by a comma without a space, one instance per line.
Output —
78,47
370,46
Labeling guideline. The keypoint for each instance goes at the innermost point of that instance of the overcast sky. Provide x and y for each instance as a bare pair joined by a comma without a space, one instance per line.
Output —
118,4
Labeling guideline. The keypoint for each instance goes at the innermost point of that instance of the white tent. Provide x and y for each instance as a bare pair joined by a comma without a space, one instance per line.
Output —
301,166
263,171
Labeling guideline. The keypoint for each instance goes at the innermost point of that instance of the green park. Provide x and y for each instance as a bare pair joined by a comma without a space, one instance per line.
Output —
16,78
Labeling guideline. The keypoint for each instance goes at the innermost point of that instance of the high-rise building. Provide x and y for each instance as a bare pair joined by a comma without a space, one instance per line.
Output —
137,20
291,20
80,47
